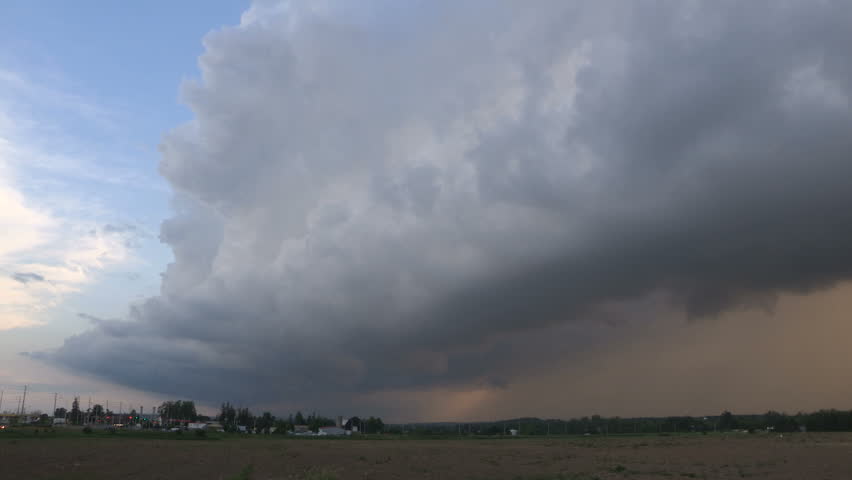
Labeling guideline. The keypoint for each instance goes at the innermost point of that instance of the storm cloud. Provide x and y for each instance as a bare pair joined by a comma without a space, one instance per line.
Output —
389,196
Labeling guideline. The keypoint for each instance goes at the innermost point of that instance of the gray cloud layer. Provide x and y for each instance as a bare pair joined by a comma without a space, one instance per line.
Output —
27,277
392,197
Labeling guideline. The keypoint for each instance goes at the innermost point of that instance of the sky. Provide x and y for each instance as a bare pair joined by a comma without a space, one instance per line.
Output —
428,210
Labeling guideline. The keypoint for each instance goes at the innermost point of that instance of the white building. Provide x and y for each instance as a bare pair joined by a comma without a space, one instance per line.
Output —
332,431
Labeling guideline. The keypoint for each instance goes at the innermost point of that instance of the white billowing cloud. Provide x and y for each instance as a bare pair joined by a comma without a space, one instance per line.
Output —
53,241
29,225
45,257
26,229
408,195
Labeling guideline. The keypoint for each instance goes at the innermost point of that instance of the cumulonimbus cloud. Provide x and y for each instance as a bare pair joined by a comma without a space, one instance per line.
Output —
386,196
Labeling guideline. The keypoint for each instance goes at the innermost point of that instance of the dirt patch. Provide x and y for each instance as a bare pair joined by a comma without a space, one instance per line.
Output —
799,456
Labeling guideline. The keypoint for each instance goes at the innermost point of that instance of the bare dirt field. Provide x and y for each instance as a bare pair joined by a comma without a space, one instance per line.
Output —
137,456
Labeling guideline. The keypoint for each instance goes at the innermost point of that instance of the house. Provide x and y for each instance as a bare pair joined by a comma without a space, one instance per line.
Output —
215,426
16,419
196,426
300,428
351,424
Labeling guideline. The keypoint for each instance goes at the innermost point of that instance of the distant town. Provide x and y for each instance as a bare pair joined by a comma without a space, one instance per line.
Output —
182,415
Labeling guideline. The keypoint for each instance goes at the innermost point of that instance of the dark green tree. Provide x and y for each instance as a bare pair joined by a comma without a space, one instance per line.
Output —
282,426
97,411
726,421
265,422
183,410
227,416
76,414
374,425
245,418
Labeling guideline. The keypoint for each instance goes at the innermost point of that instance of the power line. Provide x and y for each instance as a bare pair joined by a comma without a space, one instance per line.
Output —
24,400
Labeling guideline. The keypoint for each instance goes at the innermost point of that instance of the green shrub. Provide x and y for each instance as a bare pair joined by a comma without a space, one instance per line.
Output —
321,474
245,473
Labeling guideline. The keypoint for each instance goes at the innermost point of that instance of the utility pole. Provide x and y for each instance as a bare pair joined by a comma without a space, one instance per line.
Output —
54,404
24,401
1,400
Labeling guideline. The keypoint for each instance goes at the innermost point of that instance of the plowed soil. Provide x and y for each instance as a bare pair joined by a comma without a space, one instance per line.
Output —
96,457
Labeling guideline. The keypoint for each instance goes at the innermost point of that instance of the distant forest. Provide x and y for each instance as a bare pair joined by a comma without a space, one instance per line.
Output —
820,421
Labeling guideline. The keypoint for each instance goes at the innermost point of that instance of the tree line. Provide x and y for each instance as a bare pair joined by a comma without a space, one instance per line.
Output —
819,421
231,418
179,412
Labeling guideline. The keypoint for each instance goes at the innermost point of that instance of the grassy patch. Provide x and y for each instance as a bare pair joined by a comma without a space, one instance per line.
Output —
321,474
561,476
28,433
245,473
